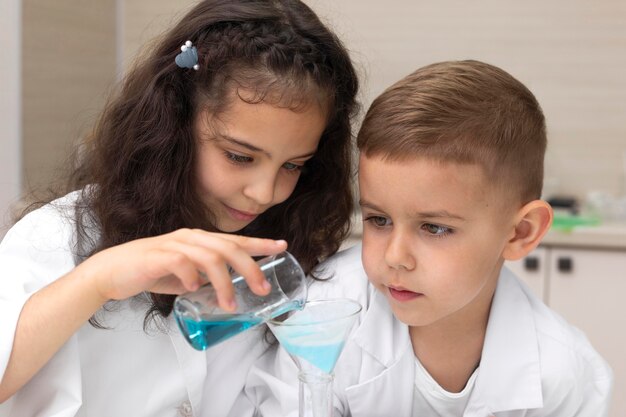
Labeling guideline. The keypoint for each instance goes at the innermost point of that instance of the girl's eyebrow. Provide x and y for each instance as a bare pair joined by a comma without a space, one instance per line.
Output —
253,148
244,144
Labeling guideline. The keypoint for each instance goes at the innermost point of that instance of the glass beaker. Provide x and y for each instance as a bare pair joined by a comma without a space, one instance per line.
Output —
204,323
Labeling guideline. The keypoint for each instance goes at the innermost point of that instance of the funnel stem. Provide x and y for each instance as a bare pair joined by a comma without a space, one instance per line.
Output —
316,394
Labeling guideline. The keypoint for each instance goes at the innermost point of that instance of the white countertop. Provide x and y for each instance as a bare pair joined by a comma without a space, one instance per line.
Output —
604,236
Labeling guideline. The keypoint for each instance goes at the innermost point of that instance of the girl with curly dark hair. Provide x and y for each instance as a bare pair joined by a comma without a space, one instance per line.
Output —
229,139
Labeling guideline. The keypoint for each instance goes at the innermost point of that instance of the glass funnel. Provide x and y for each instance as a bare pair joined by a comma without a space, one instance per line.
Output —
314,337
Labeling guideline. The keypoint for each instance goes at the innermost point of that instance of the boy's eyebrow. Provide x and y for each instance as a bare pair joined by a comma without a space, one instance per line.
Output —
253,148
439,214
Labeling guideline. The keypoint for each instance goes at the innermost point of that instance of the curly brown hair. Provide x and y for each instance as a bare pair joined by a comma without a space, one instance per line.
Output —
136,169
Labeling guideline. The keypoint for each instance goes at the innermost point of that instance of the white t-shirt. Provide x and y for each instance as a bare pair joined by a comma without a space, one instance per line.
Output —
430,399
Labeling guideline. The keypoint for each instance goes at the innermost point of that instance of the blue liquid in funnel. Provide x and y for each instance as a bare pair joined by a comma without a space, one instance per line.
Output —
323,357
206,333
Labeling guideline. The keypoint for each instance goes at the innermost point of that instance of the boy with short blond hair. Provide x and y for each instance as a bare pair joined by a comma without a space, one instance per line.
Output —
450,178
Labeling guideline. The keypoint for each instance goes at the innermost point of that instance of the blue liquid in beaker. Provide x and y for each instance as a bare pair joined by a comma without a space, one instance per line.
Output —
206,333
323,357
211,330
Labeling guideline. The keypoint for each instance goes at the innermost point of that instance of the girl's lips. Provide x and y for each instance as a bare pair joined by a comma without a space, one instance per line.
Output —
241,215
403,295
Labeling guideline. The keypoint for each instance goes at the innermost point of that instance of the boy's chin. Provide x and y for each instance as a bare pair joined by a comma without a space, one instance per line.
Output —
410,317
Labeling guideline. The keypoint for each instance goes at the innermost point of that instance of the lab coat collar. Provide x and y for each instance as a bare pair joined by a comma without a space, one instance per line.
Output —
383,393
192,363
392,335
509,376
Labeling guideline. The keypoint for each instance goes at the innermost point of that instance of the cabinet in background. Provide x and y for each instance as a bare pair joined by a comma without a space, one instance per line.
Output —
587,287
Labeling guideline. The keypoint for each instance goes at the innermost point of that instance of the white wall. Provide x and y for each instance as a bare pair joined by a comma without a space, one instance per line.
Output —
68,68
10,108
570,53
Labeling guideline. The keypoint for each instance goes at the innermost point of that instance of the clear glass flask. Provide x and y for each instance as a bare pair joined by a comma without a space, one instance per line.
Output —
204,323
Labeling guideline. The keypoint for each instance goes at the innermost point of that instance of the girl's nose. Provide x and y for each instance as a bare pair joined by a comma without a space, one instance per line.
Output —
398,253
261,189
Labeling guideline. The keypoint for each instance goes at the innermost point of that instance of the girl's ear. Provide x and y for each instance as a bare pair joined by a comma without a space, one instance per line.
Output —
531,223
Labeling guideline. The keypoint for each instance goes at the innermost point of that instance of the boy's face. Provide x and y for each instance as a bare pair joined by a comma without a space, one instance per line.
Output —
433,235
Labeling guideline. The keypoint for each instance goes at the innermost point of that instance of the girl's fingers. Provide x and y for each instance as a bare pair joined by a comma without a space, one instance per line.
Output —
183,267
171,263
253,246
221,281
257,246
235,251
214,266
195,260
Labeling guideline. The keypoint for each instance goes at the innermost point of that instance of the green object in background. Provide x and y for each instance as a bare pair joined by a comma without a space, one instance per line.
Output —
567,222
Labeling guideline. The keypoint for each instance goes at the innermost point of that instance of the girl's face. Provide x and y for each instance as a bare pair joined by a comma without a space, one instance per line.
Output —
251,159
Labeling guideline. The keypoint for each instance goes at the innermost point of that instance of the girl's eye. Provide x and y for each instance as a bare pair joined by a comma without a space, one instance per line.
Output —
291,166
436,230
379,221
238,159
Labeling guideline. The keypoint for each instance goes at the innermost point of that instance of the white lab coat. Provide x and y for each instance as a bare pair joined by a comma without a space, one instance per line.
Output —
123,371
533,363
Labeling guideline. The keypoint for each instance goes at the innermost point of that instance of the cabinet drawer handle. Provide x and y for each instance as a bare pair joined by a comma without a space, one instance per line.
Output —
565,265
531,263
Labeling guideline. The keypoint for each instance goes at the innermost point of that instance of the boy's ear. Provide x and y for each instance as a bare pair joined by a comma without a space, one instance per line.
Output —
531,223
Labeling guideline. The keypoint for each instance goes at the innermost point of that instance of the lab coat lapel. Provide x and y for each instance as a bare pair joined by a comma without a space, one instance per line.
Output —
388,370
192,363
509,377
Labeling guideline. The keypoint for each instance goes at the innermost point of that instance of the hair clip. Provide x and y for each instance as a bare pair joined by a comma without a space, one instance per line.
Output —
188,58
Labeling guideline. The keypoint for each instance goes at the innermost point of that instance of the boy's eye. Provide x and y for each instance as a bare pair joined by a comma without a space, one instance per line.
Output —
236,158
378,221
436,230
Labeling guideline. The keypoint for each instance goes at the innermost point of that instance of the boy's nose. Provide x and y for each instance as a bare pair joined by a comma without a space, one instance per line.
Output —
398,252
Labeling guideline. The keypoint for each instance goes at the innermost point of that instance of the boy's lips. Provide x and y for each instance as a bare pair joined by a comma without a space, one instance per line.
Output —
403,295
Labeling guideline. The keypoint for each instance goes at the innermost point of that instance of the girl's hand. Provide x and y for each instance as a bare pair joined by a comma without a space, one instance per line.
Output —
171,264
